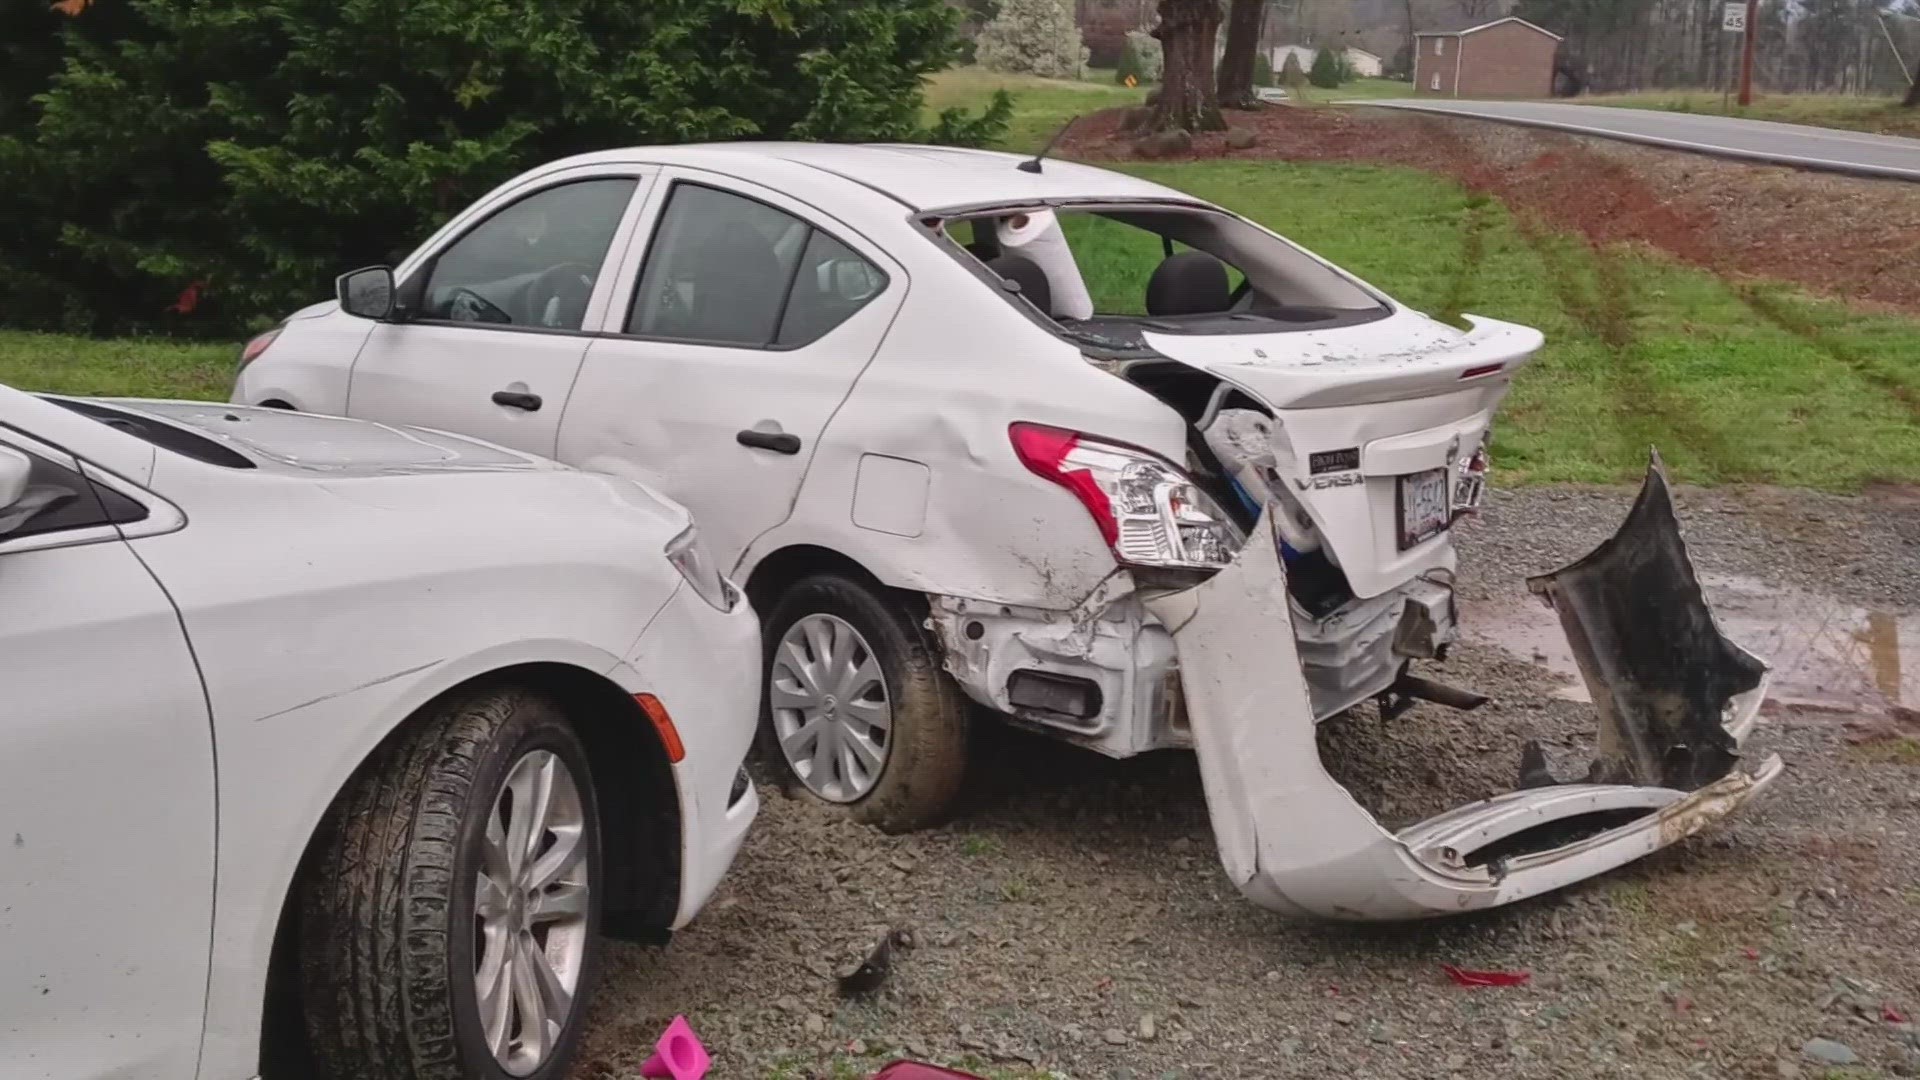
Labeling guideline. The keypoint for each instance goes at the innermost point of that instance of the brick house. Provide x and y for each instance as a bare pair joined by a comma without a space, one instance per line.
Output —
1504,58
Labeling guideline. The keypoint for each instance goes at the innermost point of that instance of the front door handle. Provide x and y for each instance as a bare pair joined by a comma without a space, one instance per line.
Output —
777,441
514,399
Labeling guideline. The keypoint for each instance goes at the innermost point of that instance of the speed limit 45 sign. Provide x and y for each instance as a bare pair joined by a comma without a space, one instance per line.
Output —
1735,17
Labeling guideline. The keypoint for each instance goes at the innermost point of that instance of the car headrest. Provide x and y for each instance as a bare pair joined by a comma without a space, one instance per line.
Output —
1027,274
1190,283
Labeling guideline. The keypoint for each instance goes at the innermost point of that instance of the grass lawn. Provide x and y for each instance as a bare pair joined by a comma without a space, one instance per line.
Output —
1877,114
132,366
1641,351
1734,383
1040,106
1361,90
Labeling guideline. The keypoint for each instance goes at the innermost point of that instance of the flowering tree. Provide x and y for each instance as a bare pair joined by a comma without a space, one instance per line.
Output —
1033,37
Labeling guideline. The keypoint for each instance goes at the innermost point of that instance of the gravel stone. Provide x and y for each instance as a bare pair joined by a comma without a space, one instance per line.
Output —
1091,843
1829,1052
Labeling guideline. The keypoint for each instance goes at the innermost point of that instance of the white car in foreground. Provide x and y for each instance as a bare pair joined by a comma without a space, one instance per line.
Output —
977,430
331,747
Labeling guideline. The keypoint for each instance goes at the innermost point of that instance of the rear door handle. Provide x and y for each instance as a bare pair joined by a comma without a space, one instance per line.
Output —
514,399
777,441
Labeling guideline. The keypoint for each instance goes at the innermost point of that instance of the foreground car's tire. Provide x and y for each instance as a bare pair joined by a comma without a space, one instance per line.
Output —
856,710
448,928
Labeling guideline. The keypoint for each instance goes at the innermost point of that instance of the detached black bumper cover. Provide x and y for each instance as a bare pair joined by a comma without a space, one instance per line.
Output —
1662,676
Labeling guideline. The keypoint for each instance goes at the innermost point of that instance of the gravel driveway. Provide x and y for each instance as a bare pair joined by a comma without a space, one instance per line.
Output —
1074,921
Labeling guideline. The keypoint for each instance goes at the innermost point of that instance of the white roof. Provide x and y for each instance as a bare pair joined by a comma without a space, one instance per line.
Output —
1488,26
920,177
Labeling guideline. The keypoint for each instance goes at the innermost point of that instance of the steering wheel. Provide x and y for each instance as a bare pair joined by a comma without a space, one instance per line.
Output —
465,305
559,289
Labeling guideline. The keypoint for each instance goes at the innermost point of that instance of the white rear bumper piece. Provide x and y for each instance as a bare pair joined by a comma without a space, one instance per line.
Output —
1675,699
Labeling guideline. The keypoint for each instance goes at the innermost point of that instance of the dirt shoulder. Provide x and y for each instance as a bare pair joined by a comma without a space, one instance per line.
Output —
1838,236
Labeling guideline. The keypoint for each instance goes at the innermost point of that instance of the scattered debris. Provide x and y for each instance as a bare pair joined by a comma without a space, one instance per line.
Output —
873,971
1114,1037
1829,1052
1465,977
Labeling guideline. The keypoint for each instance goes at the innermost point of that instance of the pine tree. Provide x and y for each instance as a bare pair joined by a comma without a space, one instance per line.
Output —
1326,70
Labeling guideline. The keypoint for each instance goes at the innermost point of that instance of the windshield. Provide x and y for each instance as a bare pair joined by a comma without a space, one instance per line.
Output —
1104,275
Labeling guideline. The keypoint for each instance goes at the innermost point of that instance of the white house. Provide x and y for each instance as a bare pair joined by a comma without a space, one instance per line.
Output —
1359,61
1277,56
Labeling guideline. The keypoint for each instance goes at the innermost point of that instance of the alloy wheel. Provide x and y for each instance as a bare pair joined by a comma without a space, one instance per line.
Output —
530,911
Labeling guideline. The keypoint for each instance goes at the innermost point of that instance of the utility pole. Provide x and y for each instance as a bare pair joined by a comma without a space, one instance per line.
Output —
1746,54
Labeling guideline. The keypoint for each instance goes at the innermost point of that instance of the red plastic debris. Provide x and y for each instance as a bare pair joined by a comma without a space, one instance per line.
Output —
1752,953
1465,977
189,299
914,1070
1892,1015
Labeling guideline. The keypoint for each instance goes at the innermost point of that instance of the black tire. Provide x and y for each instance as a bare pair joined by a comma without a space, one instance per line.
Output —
928,745
388,937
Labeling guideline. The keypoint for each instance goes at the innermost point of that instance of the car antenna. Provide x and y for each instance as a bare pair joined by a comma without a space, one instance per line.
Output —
1033,166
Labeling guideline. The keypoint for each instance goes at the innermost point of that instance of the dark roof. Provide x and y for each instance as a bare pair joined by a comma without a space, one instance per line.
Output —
1458,25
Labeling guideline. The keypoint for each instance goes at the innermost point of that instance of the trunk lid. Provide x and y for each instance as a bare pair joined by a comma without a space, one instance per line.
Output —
1361,407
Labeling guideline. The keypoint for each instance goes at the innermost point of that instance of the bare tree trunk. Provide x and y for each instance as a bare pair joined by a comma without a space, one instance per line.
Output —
1413,41
1913,95
1187,100
1244,19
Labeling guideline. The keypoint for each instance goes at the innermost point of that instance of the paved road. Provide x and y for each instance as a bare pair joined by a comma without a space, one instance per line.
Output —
1753,140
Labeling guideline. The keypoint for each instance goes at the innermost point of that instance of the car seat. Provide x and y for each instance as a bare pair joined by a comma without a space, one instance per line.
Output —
1190,283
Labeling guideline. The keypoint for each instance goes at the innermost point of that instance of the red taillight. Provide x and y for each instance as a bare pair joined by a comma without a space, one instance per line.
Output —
256,345
1043,450
1484,369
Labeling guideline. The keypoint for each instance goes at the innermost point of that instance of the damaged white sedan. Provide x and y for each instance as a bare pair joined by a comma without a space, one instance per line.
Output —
1111,461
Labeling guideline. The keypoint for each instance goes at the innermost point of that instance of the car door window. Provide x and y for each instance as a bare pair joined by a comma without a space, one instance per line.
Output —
726,269
533,263
833,283
718,269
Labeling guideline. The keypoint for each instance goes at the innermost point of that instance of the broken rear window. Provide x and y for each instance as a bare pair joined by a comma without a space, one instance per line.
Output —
1108,274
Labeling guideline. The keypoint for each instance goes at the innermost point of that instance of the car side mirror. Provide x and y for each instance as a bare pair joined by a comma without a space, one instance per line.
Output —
367,292
15,469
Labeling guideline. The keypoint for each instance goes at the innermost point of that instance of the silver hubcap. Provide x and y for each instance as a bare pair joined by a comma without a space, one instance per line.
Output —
830,708
530,912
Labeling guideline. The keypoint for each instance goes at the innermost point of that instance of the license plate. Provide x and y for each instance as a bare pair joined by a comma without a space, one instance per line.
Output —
1425,511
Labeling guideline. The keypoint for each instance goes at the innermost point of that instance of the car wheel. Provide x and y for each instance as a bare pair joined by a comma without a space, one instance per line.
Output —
856,710
450,919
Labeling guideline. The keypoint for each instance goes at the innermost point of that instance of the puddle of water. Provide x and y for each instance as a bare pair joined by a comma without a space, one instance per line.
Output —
1824,652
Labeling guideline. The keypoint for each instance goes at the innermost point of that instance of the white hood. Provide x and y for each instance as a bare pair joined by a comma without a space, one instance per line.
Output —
335,446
